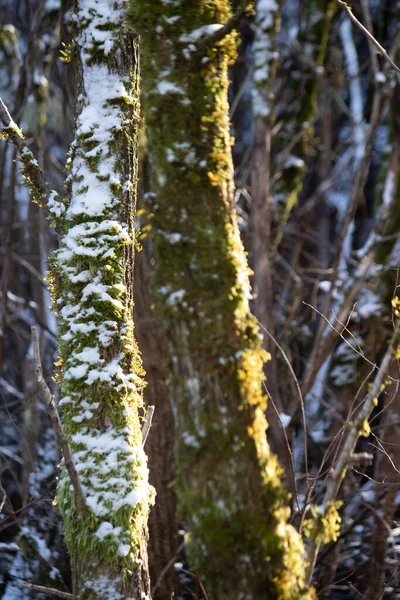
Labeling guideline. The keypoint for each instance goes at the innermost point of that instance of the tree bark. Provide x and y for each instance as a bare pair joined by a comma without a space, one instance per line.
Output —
160,444
227,480
102,374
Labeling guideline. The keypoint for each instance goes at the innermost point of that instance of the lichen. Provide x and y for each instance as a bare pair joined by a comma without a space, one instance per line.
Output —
325,523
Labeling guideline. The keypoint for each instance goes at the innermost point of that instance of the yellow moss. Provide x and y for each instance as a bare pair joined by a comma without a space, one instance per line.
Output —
366,429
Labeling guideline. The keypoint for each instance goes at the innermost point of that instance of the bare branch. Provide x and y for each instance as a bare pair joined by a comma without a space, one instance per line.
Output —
369,35
368,20
31,170
57,425
361,458
346,454
41,589
147,423
4,498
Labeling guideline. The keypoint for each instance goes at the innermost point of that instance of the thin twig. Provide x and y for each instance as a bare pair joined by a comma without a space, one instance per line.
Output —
369,35
166,569
296,381
270,399
57,425
368,20
147,423
41,589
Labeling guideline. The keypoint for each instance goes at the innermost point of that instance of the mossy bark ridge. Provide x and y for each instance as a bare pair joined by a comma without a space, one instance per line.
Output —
228,482
101,370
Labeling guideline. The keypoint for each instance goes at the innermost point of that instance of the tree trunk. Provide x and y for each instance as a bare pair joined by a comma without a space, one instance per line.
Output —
227,480
101,389
160,444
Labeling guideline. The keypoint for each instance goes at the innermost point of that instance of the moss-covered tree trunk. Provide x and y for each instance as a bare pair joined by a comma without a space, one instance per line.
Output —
101,378
228,484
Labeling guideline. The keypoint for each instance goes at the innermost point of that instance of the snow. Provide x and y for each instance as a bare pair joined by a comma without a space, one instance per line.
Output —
88,355
106,529
368,496
380,77
167,87
369,304
293,161
112,468
394,257
264,55
123,549
176,297
325,286
196,34
52,5
171,20
101,458
389,189
285,419
356,97
43,550
173,238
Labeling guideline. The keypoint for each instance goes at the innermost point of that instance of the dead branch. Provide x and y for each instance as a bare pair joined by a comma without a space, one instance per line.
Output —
361,458
41,589
381,49
57,425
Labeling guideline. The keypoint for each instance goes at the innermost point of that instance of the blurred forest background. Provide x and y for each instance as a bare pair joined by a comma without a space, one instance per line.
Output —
325,251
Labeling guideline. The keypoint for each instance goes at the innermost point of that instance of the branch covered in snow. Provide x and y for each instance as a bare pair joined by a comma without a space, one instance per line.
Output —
58,428
30,169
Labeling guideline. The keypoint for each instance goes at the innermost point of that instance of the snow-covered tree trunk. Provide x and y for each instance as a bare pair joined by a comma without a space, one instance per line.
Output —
101,370
228,483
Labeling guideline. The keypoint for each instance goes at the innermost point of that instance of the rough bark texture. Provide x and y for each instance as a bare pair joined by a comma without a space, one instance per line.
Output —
228,482
160,443
101,379
265,62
